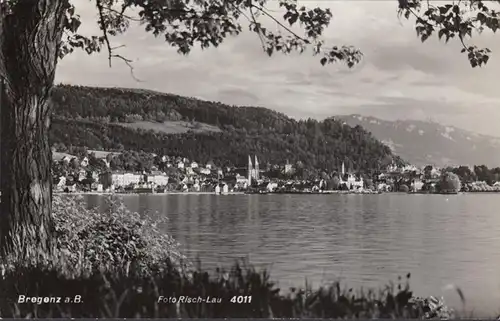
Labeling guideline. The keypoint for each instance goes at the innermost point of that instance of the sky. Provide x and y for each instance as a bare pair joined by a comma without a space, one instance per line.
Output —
399,77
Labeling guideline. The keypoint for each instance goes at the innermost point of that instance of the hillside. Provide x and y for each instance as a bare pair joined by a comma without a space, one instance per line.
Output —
422,142
116,119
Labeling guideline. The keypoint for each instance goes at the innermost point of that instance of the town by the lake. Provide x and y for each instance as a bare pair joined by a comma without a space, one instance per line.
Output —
99,172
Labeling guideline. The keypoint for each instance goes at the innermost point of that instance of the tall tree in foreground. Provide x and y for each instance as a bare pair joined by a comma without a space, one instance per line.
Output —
34,34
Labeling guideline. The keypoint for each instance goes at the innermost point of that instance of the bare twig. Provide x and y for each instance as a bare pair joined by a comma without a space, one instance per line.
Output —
105,32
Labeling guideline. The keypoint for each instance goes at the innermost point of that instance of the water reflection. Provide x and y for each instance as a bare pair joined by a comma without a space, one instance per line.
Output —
365,239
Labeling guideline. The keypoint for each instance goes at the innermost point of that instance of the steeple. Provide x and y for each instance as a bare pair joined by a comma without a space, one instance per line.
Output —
343,169
250,170
256,168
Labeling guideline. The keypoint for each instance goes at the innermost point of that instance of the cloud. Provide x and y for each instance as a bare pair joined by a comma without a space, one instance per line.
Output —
399,76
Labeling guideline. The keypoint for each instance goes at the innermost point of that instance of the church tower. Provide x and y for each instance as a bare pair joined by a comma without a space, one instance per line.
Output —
256,168
250,170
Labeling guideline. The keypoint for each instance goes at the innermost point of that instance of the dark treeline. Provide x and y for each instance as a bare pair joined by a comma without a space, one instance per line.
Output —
476,173
90,117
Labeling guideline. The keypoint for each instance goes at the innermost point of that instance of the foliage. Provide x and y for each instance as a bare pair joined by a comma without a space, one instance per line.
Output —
131,295
273,137
333,183
112,240
184,24
450,183
458,20
404,188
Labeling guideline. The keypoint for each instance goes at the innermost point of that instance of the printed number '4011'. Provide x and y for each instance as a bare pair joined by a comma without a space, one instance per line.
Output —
241,299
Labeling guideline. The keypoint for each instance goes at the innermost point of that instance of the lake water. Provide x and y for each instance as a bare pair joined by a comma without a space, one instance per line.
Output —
362,240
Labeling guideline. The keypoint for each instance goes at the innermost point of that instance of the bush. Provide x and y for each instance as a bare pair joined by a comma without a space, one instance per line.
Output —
115,240
450,182
404,188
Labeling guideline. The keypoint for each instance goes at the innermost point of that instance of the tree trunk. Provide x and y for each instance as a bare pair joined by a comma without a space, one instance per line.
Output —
30,38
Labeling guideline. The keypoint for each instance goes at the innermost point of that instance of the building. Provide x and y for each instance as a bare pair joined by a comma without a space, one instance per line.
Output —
416,185
61,184
194,165
253,172
288,168
82,174
271,186
125,179
84,162
205,171
350,180
241,181
180,165
157,178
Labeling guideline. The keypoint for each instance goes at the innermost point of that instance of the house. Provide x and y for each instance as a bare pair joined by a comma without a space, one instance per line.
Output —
205,171
392,168
180,165
409,168
210,165
82,174
240,180
189,171
84,162
61,184
417,185
288,168
194,165
56,156
271,186
125,179
158,178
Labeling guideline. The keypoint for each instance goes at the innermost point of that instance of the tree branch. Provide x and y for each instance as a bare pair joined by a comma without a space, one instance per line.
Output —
279,23
104,29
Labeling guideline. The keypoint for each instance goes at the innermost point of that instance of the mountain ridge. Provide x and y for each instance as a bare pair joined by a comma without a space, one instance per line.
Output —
119,118
428,142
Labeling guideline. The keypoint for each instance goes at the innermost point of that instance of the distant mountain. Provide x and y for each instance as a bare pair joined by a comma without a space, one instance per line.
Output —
116,119
423,142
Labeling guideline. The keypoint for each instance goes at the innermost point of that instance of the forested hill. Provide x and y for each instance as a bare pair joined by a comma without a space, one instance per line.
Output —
115,119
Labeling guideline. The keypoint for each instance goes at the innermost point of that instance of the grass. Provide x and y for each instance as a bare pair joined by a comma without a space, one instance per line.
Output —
128,295
118,264
172,127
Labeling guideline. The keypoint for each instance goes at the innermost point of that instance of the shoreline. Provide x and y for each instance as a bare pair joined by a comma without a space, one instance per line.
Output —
271,193
139,193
